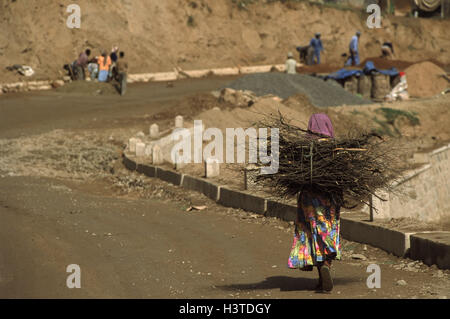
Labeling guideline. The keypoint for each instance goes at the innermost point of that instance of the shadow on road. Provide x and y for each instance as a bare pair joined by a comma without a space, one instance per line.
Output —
285,284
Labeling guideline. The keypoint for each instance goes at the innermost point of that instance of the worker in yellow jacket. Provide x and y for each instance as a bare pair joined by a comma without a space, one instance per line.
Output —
104,63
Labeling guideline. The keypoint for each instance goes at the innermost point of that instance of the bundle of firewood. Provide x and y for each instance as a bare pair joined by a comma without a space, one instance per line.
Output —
349,169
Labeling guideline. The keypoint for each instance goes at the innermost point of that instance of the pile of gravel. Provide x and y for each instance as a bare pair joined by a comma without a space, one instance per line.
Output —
319,92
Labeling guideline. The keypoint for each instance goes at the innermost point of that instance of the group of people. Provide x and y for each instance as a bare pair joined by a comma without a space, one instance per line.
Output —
310,54
102,68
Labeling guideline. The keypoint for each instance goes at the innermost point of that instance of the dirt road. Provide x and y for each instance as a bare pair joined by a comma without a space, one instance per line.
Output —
92,105
132,237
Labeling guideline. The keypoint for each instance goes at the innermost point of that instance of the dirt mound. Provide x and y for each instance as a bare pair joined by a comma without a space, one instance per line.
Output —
299,100
425,79
319,92
188,107
318,68
381,63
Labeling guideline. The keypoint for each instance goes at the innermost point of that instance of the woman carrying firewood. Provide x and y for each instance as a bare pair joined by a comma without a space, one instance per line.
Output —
316,238
326,173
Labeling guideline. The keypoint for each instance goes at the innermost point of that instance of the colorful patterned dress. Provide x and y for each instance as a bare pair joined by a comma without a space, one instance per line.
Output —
316,232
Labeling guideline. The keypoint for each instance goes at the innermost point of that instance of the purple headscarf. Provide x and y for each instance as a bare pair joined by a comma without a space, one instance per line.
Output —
320,123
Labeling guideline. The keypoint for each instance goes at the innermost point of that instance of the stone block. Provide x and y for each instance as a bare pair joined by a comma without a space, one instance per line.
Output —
255,69
129,163
157,155
200,185
179,164
392,241
212,167
154,131
148,150
226,71
132,144
169,176
433,248
236,199
179,122
282,211
140,149
147,170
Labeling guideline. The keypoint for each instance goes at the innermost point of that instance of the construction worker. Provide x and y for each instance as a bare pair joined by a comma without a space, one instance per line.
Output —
303,52
354,50
291,64
114,58
306,54
387,50
93,68
104,62
113,54
80,64
316,44
122,69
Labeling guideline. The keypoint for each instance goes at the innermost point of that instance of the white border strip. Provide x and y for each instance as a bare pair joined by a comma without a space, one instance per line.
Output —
177,74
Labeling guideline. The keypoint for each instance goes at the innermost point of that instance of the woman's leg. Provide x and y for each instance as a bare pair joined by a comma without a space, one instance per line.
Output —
325,276
319,285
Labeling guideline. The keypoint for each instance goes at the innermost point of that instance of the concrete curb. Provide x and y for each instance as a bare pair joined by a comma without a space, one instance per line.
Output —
169,176
30,85
129,164
147,170
208,189
392,241
236,199
177,74
281,211
431,247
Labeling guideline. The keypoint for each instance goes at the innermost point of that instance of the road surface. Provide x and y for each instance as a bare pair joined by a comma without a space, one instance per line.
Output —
142,243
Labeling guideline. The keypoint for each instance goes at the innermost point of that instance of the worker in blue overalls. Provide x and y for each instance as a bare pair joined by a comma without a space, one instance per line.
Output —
354,50
316,44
